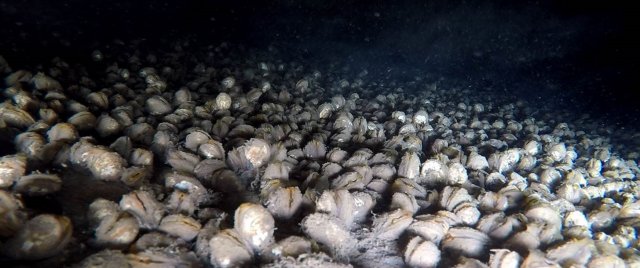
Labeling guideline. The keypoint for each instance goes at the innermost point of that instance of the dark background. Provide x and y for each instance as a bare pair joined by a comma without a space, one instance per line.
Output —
581,55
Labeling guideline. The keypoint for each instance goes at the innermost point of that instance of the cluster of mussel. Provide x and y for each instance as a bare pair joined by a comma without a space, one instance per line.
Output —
149,160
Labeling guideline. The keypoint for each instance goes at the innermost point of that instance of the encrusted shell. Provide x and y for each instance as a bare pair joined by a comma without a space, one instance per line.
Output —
102,163
504,258
430,227
64,132
211,150
573,252
466,241
291,246
328,231
83,120
98,99
107,126
13,218
194,139
41,237
15,117
391,225
257,151
106,258
476,161
157,105
409,166
180,226
38,184
255,225
338,203
421,253
283,203
229,250
113,228
143,205
315,149
223,101
12,167
434,172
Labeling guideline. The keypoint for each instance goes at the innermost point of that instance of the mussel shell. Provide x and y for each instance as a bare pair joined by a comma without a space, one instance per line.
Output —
41,237
36,184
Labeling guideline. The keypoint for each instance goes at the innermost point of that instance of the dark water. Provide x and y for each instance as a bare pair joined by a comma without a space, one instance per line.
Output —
579,55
